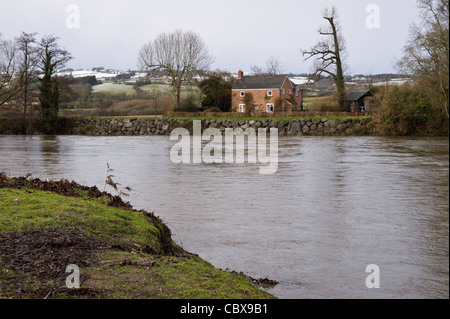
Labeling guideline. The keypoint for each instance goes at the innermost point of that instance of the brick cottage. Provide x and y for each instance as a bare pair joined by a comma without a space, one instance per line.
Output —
265,93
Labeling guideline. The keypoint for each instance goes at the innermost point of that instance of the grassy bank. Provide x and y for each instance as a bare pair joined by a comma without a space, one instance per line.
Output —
121,252
233,116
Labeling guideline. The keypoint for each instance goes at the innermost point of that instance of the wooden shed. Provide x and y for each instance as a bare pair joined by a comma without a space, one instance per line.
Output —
359,101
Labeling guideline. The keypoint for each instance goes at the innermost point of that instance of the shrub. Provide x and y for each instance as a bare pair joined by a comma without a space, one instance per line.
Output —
404,110
189,104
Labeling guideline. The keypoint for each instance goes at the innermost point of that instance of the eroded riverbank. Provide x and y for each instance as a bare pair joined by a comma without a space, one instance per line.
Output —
46,226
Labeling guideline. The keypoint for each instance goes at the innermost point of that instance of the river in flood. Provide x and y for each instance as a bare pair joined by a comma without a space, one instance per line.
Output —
335,206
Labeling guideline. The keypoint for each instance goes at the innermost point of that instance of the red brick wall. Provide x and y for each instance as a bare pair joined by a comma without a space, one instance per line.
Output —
261,99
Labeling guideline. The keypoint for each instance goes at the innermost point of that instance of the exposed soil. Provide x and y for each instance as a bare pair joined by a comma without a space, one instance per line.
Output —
45,254
62,187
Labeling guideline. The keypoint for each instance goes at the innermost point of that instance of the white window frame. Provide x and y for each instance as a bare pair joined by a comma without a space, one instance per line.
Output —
296,91
290,91
269,93
270,108
242,94
283,91
241,108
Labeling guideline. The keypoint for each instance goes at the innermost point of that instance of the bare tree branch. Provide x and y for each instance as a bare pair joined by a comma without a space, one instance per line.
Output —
28,64
426,54
273,65
180,55
10,82
329,54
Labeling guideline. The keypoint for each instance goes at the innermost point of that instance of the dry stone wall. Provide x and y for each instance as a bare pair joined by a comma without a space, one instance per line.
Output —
160,126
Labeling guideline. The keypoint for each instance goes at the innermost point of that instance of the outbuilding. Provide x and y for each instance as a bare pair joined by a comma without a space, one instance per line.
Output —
359,101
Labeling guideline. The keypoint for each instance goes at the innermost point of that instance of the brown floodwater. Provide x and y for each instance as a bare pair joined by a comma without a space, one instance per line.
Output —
335,205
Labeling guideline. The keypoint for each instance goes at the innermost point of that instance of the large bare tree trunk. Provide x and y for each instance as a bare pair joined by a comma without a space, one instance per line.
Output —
328,54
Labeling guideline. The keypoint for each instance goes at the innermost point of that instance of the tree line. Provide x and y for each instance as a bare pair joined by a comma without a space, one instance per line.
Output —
28,64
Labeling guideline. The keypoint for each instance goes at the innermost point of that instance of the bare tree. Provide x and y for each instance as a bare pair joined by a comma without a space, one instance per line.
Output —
257,70
273,65
9,66
180,55
426,54
329,54
28,64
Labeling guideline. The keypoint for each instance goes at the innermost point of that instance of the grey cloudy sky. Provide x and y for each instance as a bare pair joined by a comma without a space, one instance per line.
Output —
238,33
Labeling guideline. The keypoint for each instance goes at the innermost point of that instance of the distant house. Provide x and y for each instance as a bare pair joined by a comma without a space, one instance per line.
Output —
359,101
268,93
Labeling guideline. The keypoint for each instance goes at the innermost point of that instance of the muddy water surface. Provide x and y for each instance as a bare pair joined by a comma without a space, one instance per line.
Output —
336,205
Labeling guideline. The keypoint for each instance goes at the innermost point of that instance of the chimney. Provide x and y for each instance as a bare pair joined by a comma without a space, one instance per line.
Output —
240,74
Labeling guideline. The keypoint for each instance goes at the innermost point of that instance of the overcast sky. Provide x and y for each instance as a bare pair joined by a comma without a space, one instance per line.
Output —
238,33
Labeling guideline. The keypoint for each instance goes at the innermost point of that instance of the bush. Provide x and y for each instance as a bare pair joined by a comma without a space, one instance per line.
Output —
189,104
216,93
213,110
405,110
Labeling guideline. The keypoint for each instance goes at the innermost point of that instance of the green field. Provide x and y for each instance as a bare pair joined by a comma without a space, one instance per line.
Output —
120,88
114,88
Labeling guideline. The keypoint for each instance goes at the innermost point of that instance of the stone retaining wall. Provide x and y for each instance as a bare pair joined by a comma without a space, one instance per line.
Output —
158,126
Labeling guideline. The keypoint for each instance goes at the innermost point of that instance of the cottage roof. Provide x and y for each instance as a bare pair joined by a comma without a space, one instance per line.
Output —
355,96
260,82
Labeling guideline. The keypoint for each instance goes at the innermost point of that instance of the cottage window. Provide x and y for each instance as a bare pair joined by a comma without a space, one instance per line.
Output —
290,91
269,107
242,93
283,91
296,90
241,108
269,93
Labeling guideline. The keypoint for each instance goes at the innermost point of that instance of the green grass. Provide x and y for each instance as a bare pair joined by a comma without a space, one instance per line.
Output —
114,88
128,272
51,211
120,88
170,277
320,103
275,118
